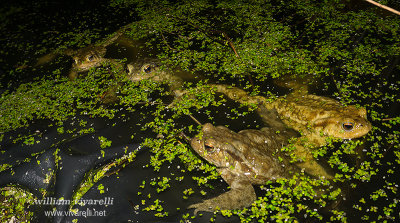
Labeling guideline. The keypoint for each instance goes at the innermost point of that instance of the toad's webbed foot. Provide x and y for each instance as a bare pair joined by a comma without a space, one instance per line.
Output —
236,198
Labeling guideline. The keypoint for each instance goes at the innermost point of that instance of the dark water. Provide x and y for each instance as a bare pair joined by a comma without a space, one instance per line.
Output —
45,20
31,29
80,153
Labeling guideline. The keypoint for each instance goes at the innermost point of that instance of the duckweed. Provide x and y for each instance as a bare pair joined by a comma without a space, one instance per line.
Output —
353,51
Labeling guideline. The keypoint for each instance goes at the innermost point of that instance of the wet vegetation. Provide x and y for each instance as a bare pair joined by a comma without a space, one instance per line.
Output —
351,49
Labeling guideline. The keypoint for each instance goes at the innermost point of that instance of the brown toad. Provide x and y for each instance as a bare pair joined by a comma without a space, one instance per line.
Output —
316,117
150,69
243,159
87,57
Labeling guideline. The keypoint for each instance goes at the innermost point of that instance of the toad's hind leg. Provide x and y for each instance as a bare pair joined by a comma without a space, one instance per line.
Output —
241,195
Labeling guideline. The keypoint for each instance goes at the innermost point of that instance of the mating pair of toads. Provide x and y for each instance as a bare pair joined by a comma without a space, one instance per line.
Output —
252,156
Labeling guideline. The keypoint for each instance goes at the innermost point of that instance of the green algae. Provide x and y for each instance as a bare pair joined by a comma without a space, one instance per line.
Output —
246,44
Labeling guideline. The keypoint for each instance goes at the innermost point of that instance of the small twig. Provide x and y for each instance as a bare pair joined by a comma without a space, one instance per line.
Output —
185,137
312,19
384,7
150,103
387,119
132,204
165,41
207,33
197,27
194,119
388,149
229,41
191,116
211,37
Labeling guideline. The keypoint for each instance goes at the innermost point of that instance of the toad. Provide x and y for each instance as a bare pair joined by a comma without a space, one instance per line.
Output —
315,117
243,159
87,57
150,69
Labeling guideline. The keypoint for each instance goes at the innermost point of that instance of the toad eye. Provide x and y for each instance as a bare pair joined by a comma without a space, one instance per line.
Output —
147,69
347,126
209,148
90,58
233,95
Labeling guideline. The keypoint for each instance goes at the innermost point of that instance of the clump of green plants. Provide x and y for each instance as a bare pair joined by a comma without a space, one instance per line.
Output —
95,175
52,97
247,44
14,204
352,51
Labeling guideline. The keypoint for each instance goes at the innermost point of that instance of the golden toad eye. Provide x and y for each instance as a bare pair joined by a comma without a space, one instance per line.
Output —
209,148
147,69
347,126
89,58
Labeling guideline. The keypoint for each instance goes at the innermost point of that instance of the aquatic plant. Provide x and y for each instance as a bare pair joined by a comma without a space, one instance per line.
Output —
352,50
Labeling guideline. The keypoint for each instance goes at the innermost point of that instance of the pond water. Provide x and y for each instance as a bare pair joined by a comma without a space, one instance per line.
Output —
59,160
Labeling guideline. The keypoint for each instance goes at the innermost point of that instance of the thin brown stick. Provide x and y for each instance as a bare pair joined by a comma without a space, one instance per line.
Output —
184,137
387,119
234,50
198,28
191,116
384,7
230,43
194,119
208,34
165,41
